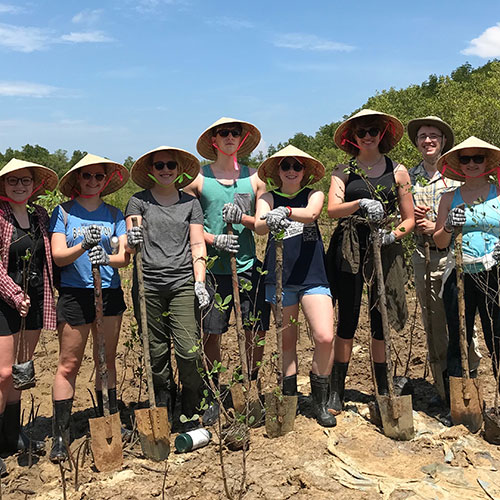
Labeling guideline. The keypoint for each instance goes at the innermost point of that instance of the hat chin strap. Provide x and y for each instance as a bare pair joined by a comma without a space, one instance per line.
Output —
76,194
235,161
22,202
446,166
272,186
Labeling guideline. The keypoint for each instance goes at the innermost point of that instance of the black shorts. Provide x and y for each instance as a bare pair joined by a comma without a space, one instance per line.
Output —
255,310
76,305
10,319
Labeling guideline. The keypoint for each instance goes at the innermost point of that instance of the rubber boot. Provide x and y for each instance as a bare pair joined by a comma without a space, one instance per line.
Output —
337,387
290,385
14,438
212,412
165,398
3,467
113,408
190,401
381,378
446,383
61,430
320,386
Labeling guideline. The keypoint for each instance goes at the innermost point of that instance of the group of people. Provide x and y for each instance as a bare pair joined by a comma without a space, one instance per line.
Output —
189,218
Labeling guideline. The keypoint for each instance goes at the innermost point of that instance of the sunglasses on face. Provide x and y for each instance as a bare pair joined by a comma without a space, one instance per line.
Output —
98,177
224,132
477,159
160,165
286,165
373,131
14,181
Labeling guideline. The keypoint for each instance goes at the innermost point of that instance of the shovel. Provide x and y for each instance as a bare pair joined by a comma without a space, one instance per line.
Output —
152,422
466,400
105,431
396,411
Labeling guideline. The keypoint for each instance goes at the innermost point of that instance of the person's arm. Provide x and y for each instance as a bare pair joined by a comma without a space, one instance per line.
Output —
337,207
198,251
264,205
423,225
259,188
61,253
441,236
122,257
312,211
405,203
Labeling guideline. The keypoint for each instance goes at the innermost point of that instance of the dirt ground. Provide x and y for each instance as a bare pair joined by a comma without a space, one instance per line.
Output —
352,460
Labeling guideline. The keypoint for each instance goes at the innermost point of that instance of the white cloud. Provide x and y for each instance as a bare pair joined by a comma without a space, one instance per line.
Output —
485,45
152,5
26,89
304,41
23,38
87,16
229,22
87,37
9,9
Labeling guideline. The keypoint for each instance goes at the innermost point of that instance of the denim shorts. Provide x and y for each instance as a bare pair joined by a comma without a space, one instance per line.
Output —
292,294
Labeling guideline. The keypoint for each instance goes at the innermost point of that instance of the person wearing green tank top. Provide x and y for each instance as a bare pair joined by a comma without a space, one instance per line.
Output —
227,192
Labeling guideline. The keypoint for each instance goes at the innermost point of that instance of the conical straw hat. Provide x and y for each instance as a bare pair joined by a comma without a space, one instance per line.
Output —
68,185
188,164
431,121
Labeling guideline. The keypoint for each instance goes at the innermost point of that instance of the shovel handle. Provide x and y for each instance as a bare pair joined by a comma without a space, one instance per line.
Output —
279,310
144,322
101,341
237,311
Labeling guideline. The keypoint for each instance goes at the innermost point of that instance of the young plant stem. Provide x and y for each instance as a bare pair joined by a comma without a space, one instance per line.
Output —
279,311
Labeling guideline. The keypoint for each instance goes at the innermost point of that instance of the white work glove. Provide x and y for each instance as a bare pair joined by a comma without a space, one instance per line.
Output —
455,219
91,236
276,219
387,237
98,256
134,236
231,213
201,294
226,243
373,210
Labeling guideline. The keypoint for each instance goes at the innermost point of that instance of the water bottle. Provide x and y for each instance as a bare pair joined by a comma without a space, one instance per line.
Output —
115,243
192,440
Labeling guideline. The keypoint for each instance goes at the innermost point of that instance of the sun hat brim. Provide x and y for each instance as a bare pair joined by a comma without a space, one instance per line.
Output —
204,143
188,164
69,186
431,121
395,130
449,164
42,175
269,169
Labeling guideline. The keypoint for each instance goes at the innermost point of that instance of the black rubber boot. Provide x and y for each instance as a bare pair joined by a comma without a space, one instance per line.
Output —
3,467
337,387
212,412
165,399
113,408
14,438
61,430
320,386
446,382
290,385
381,378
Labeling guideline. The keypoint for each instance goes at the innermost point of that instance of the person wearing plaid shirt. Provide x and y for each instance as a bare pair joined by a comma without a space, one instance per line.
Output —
26,293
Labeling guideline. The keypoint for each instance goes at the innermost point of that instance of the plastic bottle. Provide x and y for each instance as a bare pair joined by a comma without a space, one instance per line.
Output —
192,440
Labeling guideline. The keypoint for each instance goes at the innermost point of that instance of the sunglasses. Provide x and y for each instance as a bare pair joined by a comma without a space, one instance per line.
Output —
286,165
224,132
477,159
160,165
14,181
98,177
373,131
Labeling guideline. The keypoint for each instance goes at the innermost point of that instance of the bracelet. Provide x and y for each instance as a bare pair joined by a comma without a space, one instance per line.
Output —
289,211
446,230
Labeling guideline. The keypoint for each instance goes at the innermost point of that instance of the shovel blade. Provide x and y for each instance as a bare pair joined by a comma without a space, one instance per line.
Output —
280,414
154,432
254,410
466,401
106,442
397,417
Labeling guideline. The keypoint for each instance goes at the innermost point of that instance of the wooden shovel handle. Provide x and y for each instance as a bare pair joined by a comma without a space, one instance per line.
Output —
144,322
279,310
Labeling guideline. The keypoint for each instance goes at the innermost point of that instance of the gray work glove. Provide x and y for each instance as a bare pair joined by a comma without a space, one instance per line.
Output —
201,294
91,236
496,252
226,243
455,219
98,256
387,237
277,219
134,236
231,213
373,210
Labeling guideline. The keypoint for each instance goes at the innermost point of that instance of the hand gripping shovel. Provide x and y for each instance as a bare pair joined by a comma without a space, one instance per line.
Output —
396,411
152,422
466,400
105,431
280,409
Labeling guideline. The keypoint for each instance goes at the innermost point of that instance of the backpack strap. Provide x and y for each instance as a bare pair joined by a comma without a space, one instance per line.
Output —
65,208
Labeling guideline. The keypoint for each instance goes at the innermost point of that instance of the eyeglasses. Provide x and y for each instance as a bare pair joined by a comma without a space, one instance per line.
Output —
286,165
14,181
432,137
224,132
373,131
98,177
160,165
477,159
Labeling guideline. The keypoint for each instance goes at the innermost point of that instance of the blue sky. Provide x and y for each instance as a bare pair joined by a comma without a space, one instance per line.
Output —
120,77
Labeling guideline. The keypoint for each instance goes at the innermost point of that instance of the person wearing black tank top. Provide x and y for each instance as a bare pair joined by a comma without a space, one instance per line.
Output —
27,299
370,189
295,208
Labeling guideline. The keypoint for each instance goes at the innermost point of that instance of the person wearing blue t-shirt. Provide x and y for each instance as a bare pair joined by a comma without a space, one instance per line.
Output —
83,231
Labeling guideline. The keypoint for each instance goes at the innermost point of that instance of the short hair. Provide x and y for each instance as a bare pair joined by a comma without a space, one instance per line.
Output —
366,122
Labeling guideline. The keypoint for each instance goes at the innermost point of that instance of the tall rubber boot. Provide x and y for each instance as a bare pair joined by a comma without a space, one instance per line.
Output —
165,398
290,385
320,386
61,420
3,467
14,438
381,378
337,387
212,412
